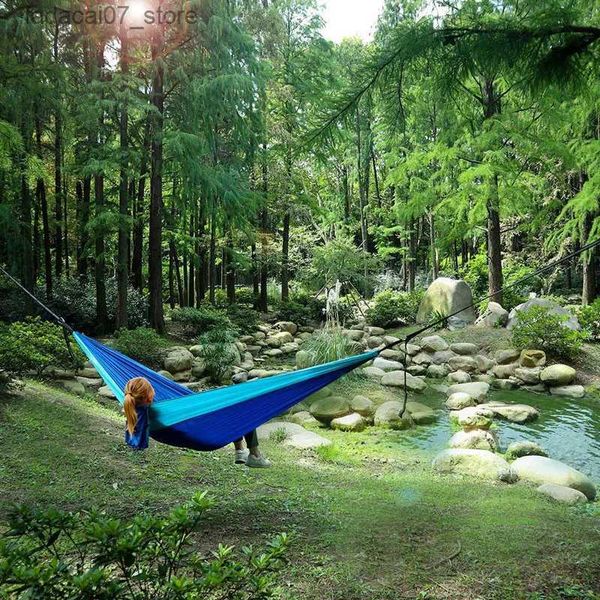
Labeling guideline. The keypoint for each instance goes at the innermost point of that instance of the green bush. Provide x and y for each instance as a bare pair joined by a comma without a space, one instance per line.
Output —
75,300
196,321
55,555
327,345
34,345
302,308
539,329
219,352
243,318
141,344
589,318
246,296
392,308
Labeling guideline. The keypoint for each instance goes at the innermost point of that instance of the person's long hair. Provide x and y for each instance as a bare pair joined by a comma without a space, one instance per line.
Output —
138,392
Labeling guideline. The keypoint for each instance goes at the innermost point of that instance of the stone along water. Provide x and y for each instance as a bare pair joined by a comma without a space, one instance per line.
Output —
569,430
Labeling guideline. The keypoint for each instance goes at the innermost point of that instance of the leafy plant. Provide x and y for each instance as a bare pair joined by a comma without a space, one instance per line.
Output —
589,318
196,321
141,344
245,296
52,554
327,345
243,318
302,308
219,352
538,328
391,308
34,345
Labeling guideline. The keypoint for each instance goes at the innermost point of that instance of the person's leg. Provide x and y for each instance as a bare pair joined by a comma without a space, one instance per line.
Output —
255,458
241,453
252,443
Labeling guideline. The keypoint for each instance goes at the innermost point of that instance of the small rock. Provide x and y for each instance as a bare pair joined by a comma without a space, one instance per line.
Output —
421,414
388,415
504,371
354,334
88,373
288,326
516,413
525,448
391,339
528,375
290,348
478,463
477,389
568,391
563,494
240,377
460,400
74,387
375,331
474,417
400,379
484,364
505,357
417,370
178,359
373,373
363,406
387,365
90,384
532,358
434,343
478,439
392,354
464,348
505,384
279,339
352,422
106,392
198,368
435,371
182,376
374,342
327,409
261,373
459,377
557,375
274,353
494,316
422,358
463,363
442,357
303,418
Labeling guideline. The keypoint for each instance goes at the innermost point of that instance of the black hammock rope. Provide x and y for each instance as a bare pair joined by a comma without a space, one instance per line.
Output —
68,330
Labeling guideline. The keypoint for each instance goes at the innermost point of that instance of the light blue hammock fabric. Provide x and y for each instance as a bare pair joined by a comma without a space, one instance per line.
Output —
215,418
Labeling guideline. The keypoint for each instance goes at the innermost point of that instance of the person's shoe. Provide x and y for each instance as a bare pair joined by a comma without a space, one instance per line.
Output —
241,456
258,462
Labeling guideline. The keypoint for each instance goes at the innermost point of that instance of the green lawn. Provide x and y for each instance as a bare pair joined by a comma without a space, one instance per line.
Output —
372,520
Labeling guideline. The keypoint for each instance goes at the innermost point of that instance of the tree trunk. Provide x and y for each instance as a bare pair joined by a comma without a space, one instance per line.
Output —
156,315
212,267
432,241
589,264
43,204
412,256
65,222
192,266
123,237
58,200
494,245
138,217
285,258
84,191
230,272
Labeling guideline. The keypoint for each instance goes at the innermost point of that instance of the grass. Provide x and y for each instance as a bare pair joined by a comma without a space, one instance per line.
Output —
372,520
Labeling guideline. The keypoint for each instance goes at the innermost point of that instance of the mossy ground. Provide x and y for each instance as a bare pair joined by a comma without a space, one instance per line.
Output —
371,519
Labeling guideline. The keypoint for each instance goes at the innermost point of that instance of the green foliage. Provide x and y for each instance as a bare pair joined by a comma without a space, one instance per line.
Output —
53,554
243,318
193,322
537,328
302,308
33,345
394,308
327,345
75,301
476,275
219,352
141,344
589,319
245,296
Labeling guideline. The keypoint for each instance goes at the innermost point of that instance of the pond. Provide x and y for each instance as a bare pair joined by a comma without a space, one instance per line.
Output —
569,430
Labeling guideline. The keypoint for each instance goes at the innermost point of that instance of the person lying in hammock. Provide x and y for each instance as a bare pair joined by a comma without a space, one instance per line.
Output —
139,395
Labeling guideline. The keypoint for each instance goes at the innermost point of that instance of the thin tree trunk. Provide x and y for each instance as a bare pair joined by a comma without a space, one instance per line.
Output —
192,265
66,222
494,245
156,201
58,201
432,241
589,264
43,203
123,237
85,190
212,267
285,258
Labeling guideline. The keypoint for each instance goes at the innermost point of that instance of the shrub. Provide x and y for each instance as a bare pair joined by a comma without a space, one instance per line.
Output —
246,296
243,318
329,344
538,328
34,345
52,554
391,308
141,344
589,318
196,321
75,300
219,352
302,308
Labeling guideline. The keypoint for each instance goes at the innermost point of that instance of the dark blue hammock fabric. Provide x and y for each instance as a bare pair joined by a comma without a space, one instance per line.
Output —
215,418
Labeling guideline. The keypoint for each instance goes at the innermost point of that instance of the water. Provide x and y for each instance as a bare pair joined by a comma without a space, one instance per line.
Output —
569,430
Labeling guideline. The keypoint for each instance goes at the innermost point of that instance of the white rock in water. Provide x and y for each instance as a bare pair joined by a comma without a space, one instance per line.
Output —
516,413
569,391
558,375
460,400
539,469
478,389
477,439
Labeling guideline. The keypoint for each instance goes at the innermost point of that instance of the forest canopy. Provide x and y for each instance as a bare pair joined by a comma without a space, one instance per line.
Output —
174,149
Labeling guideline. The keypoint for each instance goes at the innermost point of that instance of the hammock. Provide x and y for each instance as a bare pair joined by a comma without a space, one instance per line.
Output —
215,418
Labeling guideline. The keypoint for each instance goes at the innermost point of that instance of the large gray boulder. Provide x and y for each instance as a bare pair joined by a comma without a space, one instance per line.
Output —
327,409
306,440
563,494
434,343
362,405
460,400
515,413
446,296
555,375
474,417
388,415
421,413
482,464
524,448
178,359
352,422
539,469
568,391
477,439
468,364
571,320
387,365
278,428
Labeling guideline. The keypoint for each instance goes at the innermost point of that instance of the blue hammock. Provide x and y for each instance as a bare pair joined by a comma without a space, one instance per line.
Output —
215,418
